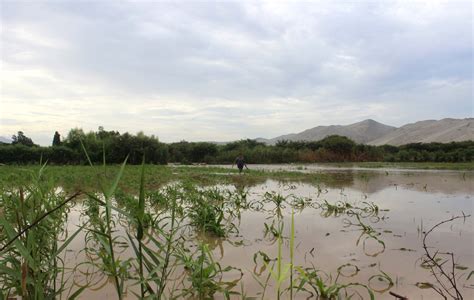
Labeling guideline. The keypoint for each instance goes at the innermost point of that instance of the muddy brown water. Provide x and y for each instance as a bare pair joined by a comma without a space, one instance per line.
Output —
411,202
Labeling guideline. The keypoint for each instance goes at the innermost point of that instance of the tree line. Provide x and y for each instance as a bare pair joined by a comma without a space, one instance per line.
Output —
115,147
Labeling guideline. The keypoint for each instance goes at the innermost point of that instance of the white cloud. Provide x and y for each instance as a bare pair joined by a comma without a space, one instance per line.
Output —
228,70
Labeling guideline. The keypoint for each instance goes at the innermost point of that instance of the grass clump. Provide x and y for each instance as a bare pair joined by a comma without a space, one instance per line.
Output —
34,240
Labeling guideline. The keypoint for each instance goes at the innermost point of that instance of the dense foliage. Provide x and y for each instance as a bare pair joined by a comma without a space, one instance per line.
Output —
117,146
56,139
331,149
21,139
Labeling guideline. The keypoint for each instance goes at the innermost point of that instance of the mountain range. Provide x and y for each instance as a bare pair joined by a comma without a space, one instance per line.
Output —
374,133
4,140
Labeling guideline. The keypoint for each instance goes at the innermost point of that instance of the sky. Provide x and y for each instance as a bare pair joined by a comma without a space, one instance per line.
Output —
222,71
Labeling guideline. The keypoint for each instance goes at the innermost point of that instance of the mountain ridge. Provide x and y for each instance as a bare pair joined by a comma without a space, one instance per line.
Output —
5,140
372,132
443,131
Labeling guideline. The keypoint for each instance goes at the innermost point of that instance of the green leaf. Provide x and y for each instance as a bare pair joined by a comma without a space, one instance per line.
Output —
87,154
424,285
11,234
141,202
116,181
76,293
470,274
68,241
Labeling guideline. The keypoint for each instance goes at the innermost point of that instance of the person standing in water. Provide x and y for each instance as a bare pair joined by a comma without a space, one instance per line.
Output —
239,161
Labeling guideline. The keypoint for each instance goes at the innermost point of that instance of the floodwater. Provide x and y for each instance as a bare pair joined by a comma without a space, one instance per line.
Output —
410,202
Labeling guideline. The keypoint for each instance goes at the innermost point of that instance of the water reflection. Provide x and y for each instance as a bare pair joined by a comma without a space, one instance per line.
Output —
353,225
374,180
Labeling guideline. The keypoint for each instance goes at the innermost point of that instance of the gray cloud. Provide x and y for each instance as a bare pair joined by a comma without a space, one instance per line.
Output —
228,70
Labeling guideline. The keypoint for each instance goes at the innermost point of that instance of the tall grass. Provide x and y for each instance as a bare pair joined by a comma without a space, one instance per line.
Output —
32,228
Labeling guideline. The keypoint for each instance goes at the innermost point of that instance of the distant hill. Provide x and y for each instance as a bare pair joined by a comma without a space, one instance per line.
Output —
442,131
361,132
5,140
375,133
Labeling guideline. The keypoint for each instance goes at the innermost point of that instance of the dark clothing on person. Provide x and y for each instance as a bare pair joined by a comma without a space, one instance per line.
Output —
240,163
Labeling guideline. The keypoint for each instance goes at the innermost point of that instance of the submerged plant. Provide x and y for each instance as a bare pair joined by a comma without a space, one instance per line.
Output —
277,199
276,231
311,281
368,233
208,218
279,271
301,202
207,211
335,210
206,275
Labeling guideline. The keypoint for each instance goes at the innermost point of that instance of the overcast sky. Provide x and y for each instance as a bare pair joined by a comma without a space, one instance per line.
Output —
223,71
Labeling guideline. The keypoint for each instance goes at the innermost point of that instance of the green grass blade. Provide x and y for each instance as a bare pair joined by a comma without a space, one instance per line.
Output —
117,179
76,293
141,201
87,154
103,159
68,241
21,248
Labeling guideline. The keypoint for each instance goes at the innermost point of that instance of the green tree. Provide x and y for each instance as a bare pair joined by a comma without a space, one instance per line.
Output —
340,145
200,150
22,139
74,138
56,139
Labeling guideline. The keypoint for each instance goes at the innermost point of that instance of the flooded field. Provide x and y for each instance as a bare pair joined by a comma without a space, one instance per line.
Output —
360,231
